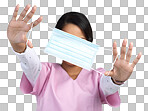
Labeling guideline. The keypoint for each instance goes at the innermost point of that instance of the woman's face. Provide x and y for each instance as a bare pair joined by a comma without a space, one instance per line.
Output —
74,30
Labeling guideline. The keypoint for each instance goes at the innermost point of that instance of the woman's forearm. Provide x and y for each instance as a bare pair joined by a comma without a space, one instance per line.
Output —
30,63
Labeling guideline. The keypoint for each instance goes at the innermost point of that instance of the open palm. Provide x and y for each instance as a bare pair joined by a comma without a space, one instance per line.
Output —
122,70
17,29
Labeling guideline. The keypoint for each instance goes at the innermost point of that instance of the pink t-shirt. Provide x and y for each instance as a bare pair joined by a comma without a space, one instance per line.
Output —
55,90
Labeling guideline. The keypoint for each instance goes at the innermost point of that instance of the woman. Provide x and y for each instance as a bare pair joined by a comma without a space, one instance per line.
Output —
67,87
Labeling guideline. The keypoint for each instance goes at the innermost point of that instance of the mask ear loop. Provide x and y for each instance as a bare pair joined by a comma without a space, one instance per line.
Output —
30,32
51,29
112,64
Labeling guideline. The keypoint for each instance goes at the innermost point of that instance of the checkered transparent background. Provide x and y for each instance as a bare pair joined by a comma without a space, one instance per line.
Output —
110,20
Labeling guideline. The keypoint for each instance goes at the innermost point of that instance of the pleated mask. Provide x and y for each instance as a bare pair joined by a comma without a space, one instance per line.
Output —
72,49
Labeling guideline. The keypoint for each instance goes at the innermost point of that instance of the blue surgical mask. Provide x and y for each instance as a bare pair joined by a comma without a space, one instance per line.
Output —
71,49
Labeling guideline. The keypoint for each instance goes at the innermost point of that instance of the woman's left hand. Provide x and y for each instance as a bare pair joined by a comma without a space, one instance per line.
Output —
122,70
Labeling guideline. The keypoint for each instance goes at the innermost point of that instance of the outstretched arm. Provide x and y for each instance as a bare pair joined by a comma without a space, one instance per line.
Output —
16,32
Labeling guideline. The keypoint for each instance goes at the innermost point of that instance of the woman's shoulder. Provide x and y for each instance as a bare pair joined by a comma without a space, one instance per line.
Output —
49,64
101,69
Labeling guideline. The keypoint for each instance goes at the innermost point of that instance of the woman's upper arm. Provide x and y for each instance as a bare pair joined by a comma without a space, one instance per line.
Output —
40,82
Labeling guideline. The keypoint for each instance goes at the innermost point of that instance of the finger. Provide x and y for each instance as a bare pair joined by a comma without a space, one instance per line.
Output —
136,60
109,73
114,50
36,22
15,12
23,14
31,13
29,44
129,52
33,24
123,49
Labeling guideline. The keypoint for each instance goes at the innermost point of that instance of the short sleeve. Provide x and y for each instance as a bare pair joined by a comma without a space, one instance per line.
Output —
113,99
42,78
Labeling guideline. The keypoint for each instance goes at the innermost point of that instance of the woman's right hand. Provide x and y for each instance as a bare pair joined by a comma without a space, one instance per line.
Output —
17,29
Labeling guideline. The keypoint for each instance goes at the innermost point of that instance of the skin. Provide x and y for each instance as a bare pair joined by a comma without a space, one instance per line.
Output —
17,30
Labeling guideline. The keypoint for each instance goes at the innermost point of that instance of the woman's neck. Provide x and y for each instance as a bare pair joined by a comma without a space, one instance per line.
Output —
72,70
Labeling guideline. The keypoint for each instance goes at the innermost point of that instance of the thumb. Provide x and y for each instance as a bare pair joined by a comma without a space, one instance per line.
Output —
109,73
29,44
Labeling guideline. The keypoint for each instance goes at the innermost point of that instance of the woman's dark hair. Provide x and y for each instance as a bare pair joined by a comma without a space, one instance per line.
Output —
78,19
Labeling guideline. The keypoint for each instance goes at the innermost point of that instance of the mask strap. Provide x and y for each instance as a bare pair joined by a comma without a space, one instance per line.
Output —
30,32
50,27
112,63
108,49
